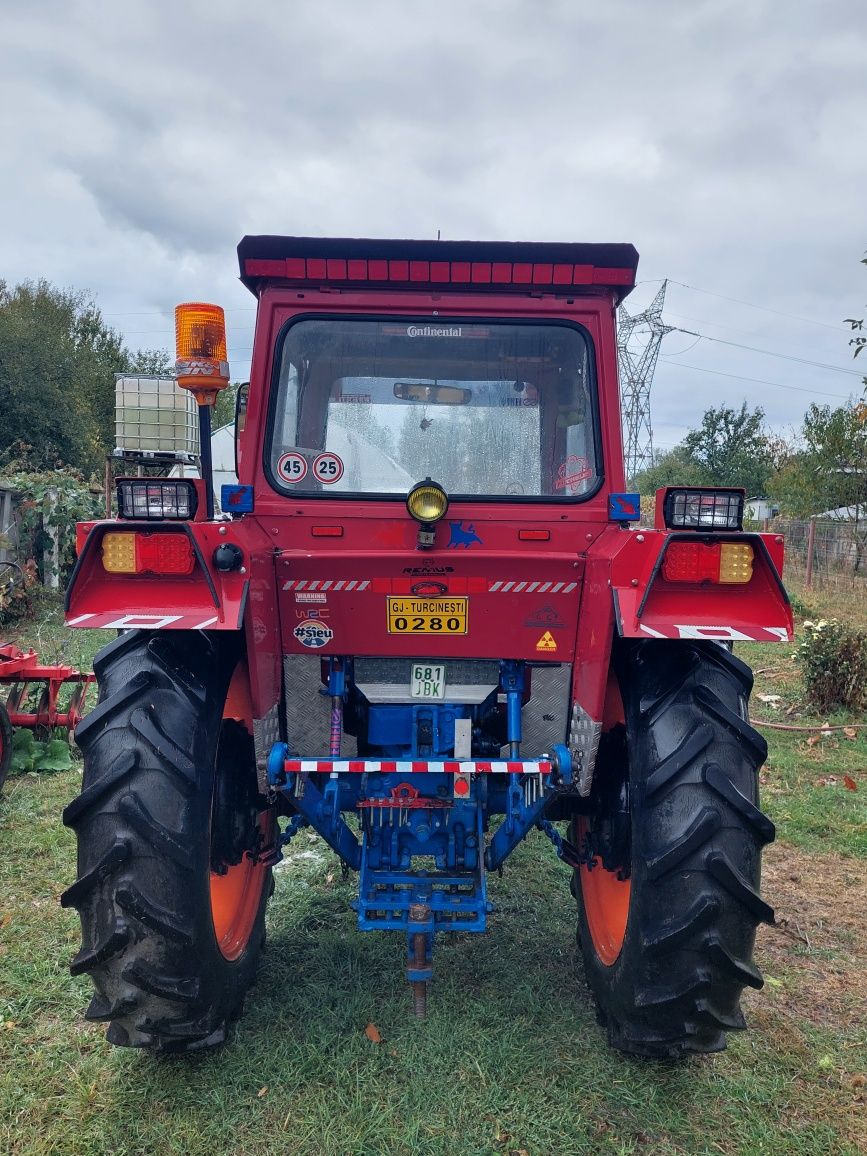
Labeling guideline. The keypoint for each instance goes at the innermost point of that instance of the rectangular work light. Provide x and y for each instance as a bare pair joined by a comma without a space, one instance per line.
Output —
703,509
156,499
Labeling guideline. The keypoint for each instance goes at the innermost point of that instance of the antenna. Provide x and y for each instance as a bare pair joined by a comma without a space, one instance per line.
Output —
637,366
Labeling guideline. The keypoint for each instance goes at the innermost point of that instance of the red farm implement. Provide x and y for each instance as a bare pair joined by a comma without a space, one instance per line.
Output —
40,697
36,698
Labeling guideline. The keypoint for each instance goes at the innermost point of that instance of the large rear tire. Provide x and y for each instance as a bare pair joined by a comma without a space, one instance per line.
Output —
173,841
669,905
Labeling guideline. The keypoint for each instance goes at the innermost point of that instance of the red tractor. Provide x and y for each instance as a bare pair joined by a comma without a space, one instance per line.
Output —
427,622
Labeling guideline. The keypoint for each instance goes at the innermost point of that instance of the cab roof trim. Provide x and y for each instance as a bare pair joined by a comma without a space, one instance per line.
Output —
477,266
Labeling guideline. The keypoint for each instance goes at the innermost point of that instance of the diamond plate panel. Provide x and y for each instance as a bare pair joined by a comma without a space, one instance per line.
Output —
308,713
266,732
584,735
545,718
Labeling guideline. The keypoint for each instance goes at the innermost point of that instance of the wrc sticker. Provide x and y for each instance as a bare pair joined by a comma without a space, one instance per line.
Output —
547,644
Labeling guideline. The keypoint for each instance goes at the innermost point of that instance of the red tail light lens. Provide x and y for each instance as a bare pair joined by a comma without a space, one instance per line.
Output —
726,563
167,554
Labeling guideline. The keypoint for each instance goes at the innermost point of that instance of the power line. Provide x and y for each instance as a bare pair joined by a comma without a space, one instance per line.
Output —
757,380
753,305
773,353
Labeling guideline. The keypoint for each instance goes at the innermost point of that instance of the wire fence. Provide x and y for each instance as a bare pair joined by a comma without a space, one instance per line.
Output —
821,554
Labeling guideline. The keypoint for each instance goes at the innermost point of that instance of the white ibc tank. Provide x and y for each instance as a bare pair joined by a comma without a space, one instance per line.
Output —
153,415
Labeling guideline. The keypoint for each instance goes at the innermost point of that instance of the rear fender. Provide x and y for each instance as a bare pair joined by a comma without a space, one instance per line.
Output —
648,606
206,599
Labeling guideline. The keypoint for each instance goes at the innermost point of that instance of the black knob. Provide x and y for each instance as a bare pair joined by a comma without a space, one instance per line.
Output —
228,556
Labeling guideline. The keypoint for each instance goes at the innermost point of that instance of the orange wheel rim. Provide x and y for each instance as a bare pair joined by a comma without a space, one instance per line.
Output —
237,894
606,898
606,904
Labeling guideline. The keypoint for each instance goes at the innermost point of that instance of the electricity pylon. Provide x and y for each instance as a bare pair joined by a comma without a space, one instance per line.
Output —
636,377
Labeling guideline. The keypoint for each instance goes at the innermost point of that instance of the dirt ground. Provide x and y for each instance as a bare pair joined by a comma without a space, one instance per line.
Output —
820,937
814,961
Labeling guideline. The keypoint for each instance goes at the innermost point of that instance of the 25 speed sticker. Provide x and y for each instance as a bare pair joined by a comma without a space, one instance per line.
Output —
427,615
327,469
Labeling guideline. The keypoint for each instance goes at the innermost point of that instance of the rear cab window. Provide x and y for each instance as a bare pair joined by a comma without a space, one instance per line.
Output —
369,407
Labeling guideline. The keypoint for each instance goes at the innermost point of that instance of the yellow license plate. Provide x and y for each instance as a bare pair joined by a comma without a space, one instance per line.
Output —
427,615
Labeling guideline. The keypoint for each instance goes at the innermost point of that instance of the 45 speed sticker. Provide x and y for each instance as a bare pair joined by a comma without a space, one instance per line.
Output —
313,633
292,467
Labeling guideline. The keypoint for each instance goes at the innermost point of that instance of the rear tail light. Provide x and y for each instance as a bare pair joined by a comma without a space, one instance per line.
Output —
726,563
156,500
165,554
703,509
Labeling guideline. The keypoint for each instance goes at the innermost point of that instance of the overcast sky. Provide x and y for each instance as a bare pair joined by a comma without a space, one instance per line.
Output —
724,138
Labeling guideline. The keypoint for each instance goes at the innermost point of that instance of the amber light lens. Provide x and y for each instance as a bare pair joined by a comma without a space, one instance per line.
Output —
736,563
118,553
427,502
200,332
725,563
125,553
200,338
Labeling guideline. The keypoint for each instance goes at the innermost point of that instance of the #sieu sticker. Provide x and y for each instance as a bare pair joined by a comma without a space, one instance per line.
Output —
313,633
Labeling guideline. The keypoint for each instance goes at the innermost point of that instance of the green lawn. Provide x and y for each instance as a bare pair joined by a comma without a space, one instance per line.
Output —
510,1059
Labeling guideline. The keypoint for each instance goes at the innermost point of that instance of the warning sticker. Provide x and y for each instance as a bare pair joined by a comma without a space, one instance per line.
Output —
547,643
313,634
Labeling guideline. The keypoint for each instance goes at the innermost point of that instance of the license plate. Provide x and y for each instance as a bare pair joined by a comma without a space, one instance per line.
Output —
428,681
427,615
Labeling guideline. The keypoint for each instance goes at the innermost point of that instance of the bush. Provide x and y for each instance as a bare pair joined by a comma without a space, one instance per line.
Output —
16,585
833,660
47,508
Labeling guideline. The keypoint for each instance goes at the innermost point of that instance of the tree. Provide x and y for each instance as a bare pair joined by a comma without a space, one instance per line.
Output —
729,448
673,468
224,406
857,326
830,472
57,364
158,362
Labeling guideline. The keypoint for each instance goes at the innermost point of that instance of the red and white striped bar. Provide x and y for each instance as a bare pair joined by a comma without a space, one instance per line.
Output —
416,767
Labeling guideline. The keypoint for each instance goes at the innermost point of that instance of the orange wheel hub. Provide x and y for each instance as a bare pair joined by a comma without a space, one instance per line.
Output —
605,897
606,904
237,894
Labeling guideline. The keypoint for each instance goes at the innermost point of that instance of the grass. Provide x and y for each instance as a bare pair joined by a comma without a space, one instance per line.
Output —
510,1059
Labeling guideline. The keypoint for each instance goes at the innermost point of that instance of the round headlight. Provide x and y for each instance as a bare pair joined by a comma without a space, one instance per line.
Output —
427,502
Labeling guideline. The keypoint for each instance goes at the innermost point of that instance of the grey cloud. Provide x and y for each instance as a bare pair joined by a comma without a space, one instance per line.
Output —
719,136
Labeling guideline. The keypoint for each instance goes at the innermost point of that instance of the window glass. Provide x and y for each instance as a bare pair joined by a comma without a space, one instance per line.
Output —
372,407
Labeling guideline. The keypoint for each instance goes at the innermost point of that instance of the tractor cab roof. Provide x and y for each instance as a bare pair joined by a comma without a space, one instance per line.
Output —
468,266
